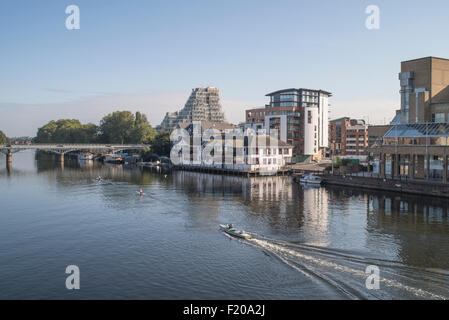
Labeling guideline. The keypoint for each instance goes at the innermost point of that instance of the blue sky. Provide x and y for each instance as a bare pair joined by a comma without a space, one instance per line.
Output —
148,55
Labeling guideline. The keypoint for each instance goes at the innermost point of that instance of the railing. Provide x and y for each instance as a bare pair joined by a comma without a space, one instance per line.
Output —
72,146
403,179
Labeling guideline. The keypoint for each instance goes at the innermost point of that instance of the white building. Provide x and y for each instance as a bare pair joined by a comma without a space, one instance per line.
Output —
253,152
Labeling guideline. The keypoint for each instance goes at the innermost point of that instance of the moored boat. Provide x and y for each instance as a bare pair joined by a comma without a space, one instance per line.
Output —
85,156
310,178
113,158
234,232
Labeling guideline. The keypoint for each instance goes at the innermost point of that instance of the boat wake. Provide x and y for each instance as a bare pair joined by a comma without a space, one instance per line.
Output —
346,273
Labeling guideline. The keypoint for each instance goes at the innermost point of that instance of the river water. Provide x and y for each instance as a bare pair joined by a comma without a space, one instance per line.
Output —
308,243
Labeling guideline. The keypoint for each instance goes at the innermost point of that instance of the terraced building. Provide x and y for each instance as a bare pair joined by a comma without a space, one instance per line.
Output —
202,105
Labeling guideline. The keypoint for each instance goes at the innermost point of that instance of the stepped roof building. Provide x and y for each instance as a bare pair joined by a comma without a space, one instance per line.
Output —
202,105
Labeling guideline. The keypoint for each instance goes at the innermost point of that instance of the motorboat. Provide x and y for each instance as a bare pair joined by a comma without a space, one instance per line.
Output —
310,178
234,232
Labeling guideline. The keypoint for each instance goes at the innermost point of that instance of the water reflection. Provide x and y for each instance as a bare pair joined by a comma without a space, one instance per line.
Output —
420,226
328,233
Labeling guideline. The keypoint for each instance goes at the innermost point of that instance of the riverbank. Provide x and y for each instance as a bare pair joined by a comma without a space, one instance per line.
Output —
223,171
417,187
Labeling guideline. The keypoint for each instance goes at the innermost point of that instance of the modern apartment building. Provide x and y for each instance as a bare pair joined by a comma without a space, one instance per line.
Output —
301,118
202,105
348,137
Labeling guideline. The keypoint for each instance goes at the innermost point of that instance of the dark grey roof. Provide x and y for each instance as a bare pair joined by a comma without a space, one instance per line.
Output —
297,90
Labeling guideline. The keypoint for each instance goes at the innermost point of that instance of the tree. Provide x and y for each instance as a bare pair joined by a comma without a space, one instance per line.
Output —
67,131
117,127
142,131
161,143
123,127
3,138
89,133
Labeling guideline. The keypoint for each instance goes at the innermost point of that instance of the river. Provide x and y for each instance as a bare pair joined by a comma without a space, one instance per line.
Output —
308,242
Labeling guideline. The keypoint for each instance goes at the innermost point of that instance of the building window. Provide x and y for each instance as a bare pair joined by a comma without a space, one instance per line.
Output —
309,116
438,117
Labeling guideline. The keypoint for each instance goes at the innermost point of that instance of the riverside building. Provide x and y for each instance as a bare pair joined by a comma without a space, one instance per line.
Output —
348,137
220,147
301,118
417,146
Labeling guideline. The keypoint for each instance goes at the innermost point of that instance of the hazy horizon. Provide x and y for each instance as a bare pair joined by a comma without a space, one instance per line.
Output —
147,56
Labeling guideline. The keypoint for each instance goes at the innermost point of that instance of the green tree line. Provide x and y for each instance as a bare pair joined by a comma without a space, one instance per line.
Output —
120,127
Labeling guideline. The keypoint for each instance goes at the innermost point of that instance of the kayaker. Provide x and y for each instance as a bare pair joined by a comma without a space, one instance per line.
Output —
231,226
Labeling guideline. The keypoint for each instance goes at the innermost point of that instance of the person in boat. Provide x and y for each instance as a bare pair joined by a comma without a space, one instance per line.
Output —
230,226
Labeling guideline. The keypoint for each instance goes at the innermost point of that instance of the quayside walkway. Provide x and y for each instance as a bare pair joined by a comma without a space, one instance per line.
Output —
397,184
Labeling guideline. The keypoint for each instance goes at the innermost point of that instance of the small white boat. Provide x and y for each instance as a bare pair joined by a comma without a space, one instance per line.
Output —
310,178
234,232
85,156
113,158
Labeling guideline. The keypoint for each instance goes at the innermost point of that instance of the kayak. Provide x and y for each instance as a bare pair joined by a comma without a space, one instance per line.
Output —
234,232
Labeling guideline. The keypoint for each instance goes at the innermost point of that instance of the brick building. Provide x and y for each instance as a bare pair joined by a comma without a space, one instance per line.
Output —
417,146
348,136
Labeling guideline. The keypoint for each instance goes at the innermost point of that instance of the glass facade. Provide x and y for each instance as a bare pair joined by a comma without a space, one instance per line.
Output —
294,98
435,134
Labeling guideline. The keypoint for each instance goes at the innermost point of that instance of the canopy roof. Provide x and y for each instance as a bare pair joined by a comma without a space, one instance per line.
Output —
417,130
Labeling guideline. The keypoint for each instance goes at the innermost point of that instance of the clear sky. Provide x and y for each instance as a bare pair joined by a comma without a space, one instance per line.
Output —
147,55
